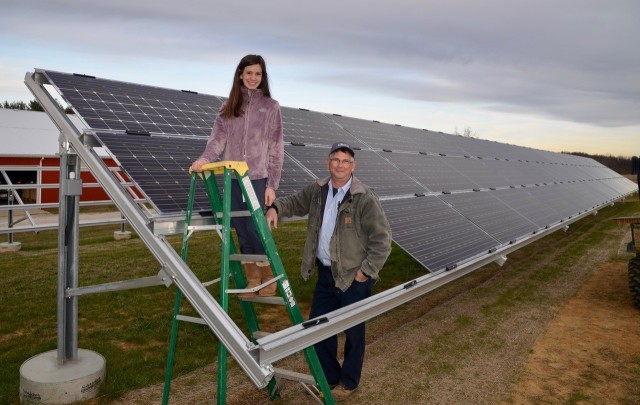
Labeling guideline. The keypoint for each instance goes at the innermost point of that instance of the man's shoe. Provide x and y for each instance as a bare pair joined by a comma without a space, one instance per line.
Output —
340,393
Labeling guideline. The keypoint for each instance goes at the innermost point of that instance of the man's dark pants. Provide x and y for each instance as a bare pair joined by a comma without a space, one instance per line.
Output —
326,298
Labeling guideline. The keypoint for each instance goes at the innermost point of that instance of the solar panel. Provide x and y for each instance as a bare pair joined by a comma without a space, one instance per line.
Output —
379,136
294,177
621,185
435,234
118,106
491,149
528,206
481,172
159,166
488,213
435,173
521,173
448,198
374,134
313,128
371,168
431,142
554,197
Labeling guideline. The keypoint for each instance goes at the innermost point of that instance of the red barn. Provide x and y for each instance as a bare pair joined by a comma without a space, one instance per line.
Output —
29,154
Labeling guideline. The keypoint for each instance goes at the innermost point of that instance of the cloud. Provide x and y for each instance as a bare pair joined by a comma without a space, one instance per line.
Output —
572,60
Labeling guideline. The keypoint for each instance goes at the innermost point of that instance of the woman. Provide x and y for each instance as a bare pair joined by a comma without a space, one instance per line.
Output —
249,128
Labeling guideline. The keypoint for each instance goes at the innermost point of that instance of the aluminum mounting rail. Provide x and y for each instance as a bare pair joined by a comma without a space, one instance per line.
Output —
239,346
288,341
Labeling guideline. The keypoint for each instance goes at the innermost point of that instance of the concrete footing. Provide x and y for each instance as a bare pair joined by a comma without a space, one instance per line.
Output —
44,381
10,247
121,235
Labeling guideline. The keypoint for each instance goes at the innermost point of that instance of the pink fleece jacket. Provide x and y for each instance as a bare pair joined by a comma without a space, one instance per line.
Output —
255,137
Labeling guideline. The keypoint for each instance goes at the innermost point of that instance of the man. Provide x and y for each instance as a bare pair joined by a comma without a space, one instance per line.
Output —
348,242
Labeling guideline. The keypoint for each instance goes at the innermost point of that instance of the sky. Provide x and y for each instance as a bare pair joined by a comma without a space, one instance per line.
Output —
553,75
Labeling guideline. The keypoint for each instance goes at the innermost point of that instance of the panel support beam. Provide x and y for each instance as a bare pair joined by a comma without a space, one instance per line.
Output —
500,261
286,342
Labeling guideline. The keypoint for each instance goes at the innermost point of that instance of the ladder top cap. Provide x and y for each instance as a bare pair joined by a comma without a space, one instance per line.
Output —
218,167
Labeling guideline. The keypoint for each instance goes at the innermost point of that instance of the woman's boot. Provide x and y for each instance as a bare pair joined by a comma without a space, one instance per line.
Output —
252,274
267,274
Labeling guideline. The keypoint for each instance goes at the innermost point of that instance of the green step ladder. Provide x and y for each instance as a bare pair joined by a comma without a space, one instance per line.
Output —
316,383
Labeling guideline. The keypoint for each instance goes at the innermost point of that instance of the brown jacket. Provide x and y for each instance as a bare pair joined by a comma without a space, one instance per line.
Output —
361,238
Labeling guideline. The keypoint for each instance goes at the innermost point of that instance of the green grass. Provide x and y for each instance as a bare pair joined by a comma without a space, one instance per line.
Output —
131,328
577,397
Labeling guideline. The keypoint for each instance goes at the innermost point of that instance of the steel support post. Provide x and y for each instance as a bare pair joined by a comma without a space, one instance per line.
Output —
68,242
10,215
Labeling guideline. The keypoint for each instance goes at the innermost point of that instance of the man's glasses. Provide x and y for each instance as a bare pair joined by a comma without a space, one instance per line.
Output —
337,161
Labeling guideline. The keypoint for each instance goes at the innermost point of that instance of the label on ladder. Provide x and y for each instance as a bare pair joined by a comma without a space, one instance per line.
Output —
253,199
289,293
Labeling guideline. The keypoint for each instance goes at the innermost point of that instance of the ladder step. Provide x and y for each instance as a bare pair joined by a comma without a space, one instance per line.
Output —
234,214
264,300
238,257
211,282
191,319
204,227
254,289
294,376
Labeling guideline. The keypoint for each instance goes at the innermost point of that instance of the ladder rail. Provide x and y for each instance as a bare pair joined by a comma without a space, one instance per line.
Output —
216,204
284,287
224,285
222,206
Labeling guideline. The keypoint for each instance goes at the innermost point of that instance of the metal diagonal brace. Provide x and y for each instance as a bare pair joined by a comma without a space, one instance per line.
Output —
239,346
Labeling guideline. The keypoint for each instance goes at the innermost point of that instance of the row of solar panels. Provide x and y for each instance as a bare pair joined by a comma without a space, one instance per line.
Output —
448,198
118,107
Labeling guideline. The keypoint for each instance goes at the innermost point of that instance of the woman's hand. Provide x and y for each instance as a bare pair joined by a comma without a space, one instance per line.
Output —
197,165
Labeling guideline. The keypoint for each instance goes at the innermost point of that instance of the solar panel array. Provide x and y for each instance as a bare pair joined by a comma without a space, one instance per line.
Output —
448,198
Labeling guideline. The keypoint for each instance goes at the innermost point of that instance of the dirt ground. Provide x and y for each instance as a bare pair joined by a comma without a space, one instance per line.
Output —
591,349
512,335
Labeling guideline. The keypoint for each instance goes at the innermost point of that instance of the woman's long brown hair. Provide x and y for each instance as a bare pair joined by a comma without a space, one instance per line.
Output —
233,106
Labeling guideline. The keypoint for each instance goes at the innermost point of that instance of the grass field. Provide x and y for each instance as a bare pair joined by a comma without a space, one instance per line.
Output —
129,328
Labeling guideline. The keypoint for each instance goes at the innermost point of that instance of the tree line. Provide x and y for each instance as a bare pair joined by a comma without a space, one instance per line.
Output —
619,164
33,105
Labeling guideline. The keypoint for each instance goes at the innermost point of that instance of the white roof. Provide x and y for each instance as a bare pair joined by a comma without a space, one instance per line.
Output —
29,133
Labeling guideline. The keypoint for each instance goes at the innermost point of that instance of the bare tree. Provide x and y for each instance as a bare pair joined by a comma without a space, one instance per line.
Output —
467,133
